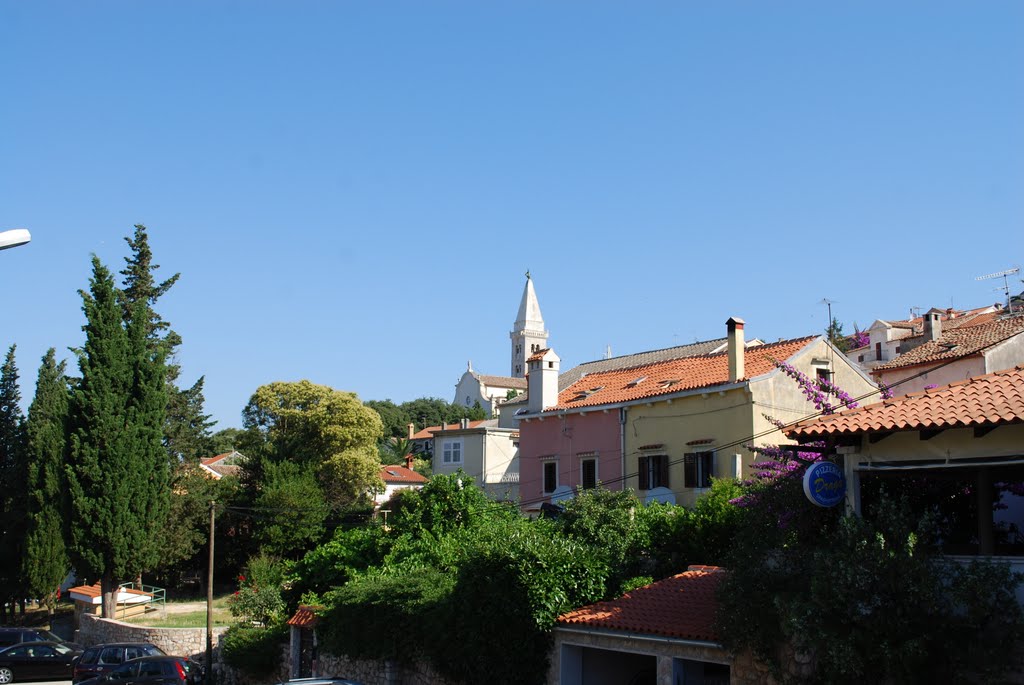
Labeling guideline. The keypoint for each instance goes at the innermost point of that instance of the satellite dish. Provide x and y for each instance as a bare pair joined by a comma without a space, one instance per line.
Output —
661,495
562,493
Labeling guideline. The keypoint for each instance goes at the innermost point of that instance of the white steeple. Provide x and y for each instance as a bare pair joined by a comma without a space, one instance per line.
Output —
528,335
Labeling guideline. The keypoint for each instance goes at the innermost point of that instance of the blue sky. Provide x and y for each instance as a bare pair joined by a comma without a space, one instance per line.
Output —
352,191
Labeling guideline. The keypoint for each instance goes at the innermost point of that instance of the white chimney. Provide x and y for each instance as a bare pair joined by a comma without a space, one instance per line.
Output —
542,380
933,325
736,347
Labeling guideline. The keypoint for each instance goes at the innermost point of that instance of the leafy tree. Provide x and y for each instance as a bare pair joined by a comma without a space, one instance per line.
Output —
835,335
327,431
396,421
291,509
224,440
13,473
45,563
118,472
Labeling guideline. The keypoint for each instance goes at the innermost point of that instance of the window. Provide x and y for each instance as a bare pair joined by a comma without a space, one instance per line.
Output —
550,476
654,471
823,374
698,467
452,452
878,351
112,655
588,473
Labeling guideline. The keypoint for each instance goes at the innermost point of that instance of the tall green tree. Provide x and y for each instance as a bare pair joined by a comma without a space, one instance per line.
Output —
13,471
118,472
45,562
187,428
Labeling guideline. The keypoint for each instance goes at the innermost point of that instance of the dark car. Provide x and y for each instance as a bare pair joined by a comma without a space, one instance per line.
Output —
12,636
102,659
152,670
36,661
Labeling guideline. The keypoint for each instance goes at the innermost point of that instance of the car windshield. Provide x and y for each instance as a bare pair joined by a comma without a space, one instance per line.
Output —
62,649
47,635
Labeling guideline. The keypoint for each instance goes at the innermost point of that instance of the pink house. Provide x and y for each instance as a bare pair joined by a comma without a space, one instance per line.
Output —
593,442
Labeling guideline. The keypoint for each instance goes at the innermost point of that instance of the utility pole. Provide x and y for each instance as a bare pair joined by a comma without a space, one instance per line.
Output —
209,601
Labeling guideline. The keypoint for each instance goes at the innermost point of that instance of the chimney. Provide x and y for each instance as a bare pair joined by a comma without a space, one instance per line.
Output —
408,461
736,348
542,381
412,430
463,423
933,325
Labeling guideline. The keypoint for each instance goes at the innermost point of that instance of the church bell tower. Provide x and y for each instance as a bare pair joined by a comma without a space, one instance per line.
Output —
528,335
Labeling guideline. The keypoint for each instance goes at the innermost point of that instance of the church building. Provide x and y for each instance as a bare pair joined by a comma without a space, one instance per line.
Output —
527,337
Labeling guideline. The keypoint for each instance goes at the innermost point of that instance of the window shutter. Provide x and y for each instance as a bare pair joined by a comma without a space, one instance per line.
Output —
663,471
645,475
708,469
690,470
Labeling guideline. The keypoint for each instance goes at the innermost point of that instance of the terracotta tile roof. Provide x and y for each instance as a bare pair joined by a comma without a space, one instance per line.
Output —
305,617
681,607
672,376
502,381
626,361
400,474
429,431
962,341
992,399
538,354
214,460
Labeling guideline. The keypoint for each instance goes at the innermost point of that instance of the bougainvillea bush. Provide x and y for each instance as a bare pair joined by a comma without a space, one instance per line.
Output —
857,599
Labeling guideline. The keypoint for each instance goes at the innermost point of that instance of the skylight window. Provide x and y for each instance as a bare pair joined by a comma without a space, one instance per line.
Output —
669,382
636,381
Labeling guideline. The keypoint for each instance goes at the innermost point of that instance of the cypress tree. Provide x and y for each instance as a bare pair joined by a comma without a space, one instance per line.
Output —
187,428
12,481
118,474
45,563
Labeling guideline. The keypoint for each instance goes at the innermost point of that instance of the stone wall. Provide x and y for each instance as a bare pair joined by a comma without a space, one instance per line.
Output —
189,642
379,672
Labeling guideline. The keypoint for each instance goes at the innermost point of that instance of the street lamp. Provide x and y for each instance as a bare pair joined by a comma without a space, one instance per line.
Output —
14,238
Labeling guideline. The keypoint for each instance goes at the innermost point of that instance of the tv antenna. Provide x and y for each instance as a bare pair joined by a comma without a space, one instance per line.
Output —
1006,282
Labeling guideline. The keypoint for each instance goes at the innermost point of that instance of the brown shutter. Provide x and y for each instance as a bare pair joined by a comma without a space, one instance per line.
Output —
663,470
645,480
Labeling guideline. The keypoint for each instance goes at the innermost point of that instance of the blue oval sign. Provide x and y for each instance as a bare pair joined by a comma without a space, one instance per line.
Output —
824,484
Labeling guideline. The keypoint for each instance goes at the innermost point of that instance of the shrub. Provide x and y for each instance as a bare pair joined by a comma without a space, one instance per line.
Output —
256,651
870,601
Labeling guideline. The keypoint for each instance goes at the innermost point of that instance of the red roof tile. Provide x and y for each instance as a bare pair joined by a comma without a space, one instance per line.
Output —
429,431
992,399
682,607
399,474
962,341
305,617
672,376
214,460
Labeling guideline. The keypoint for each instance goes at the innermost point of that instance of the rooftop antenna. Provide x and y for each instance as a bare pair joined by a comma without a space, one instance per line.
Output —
915,312
608,352
828,303
1006,283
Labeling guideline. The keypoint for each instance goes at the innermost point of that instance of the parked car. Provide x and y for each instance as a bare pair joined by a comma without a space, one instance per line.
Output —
152,670
13,635
102,659
46,660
